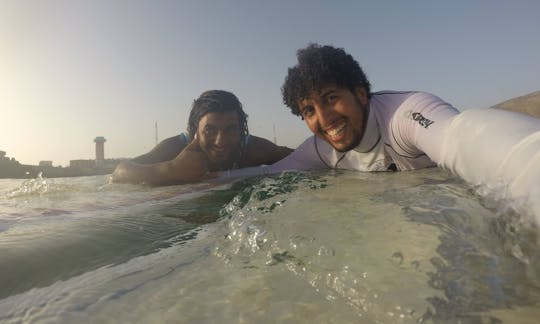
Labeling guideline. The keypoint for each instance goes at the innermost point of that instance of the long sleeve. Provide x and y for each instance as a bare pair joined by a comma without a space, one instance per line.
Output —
498,149
419,126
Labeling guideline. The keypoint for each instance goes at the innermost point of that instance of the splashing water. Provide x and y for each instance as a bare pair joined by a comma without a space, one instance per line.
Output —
39,185
460,259
310,247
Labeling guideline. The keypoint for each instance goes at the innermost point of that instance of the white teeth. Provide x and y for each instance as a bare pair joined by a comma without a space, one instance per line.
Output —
335,131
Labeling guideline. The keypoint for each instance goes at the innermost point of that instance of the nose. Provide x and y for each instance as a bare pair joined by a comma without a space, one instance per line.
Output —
220,139
325,115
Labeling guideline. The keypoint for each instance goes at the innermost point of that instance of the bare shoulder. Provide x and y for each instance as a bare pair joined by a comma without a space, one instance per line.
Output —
166,150
262,151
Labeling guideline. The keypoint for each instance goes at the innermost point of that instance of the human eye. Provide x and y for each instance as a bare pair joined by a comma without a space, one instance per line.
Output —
307,111
209,131
232,130
332,97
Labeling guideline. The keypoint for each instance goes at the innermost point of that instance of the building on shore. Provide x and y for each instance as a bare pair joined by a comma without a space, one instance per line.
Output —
82,164
45,163
11,168
100,150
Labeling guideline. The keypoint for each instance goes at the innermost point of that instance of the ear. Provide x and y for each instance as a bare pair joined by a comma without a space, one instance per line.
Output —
362,95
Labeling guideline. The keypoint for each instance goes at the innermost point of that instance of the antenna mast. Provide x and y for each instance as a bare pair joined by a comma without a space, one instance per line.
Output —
156,132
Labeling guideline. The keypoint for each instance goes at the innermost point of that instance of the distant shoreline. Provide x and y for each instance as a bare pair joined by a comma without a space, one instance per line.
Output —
11,169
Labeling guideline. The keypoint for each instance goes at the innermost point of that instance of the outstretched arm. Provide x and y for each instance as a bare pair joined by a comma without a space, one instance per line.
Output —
189,166
497,150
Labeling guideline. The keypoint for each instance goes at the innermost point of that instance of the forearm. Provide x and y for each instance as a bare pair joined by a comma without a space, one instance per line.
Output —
158,174
499,151
131,172
494,147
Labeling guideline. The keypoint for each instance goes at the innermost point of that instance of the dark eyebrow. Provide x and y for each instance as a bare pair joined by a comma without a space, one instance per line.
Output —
327,92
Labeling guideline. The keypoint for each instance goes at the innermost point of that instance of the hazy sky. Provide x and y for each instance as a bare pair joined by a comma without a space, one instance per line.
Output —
74,70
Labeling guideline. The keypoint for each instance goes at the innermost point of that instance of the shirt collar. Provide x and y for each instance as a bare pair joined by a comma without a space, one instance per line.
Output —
371,135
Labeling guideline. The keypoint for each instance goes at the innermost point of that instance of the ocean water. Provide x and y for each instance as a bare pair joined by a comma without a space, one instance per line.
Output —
309,247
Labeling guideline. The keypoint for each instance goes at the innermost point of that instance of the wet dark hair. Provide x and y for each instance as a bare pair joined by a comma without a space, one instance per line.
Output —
212,101
319,66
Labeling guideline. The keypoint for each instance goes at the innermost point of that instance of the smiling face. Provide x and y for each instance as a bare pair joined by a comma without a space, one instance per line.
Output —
336,115
219,137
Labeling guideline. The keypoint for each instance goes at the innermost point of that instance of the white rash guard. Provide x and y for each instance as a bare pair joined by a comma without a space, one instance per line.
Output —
493,148
404,131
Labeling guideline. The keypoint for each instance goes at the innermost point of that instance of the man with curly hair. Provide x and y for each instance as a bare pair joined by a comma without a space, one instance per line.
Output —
356,129
217,139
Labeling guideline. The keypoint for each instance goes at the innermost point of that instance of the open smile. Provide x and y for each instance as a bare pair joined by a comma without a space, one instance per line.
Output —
336,132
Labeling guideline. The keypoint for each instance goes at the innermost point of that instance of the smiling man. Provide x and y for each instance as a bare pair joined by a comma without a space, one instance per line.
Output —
218,139
354,128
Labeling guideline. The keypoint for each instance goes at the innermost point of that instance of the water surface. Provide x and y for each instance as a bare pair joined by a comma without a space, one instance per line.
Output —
326,247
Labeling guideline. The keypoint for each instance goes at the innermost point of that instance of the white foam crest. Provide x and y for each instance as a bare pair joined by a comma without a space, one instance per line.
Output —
39,186
302,241
497,197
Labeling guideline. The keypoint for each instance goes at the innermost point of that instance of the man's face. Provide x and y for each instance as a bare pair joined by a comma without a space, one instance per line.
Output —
336,115
219,138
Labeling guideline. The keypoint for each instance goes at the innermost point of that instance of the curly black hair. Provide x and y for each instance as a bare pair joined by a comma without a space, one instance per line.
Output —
217,101
319,66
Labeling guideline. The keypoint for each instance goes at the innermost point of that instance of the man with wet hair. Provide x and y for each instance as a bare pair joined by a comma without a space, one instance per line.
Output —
217,139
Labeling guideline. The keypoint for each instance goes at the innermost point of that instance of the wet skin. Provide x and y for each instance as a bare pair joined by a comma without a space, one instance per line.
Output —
219,138
336,115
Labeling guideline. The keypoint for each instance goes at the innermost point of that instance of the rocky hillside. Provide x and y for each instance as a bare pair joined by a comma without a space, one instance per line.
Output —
528,104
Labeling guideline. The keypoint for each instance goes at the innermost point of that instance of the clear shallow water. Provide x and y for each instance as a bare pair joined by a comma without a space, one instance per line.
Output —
330,247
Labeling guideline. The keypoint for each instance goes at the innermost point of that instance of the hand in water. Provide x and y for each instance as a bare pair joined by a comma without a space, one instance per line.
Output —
189,166
121,172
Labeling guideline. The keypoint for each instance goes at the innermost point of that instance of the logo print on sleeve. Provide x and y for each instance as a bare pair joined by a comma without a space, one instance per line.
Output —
423,121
